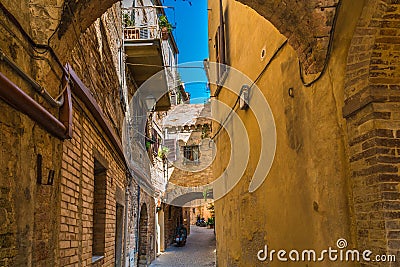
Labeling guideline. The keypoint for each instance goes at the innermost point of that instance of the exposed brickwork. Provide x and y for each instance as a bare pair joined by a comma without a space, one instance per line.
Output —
77,196
371,108
306,24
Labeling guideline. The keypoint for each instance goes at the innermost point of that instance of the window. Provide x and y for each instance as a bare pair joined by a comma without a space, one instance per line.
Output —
191,154
220,48
99,211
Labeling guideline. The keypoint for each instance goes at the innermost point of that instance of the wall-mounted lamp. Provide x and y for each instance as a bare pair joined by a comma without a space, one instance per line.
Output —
150,102
244,97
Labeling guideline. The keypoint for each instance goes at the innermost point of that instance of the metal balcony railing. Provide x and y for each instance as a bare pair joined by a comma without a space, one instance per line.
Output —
142,33
141,23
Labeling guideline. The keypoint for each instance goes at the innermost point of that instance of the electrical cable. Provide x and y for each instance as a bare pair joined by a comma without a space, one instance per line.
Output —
328,52
29,51
233,108
167,66
33,44
38,88
221,126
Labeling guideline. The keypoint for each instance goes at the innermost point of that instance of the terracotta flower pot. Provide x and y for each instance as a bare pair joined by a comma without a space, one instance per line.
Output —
164,33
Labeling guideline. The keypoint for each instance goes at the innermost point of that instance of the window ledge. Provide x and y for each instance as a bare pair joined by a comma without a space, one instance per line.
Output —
97,258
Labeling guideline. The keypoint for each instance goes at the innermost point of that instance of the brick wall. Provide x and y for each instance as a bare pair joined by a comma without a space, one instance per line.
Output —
52,225
89,159
372,101
77,192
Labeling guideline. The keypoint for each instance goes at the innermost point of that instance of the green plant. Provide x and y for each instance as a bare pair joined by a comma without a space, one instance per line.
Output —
148,144
127,20
211,208
211,221
164,23
163,151
205,193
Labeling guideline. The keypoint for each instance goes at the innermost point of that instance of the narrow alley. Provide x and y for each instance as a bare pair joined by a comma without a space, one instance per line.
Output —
198,251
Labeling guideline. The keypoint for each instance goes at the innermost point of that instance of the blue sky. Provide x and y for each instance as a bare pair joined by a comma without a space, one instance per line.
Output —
191,35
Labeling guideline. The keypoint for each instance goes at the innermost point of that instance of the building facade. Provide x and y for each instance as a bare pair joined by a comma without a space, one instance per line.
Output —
69,195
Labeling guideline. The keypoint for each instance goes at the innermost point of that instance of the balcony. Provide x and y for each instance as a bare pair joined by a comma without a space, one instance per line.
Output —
143,46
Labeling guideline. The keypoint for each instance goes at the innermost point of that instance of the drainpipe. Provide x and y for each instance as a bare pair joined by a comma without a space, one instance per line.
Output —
19,100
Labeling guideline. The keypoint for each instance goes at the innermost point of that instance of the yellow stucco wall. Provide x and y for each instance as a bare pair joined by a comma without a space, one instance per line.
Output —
303,203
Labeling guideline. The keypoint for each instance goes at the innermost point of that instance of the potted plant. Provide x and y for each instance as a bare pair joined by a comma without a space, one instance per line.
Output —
165,26
211,222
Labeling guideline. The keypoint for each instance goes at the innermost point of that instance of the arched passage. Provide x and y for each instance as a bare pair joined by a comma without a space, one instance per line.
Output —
143,236
184,199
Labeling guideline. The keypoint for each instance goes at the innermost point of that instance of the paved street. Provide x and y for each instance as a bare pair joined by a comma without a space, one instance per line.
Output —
198,251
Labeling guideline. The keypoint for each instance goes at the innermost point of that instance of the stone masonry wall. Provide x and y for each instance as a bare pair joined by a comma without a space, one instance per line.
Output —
51,225
149,201
28,210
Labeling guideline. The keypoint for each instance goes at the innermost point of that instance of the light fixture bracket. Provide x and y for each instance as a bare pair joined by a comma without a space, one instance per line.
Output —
244,97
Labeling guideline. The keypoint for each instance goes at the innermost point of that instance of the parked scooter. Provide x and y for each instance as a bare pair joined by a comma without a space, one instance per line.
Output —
201,222
180,236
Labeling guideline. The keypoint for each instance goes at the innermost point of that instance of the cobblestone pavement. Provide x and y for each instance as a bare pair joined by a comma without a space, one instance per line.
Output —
198,251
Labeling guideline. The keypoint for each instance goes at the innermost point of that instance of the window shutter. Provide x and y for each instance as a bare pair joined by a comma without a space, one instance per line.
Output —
221,30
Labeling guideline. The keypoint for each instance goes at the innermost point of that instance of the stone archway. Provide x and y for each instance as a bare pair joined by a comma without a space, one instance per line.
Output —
143,236
306,24
372,96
